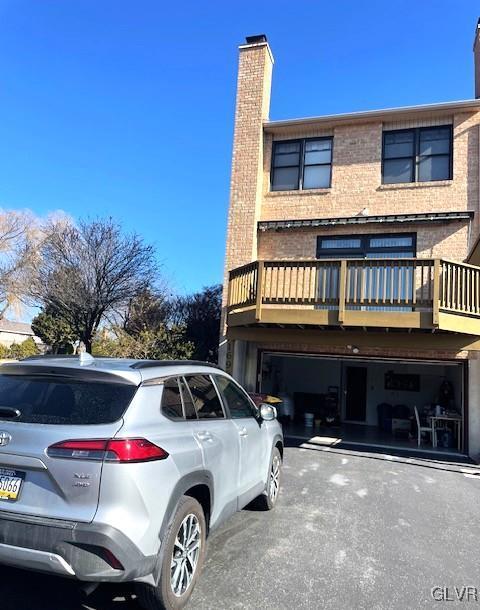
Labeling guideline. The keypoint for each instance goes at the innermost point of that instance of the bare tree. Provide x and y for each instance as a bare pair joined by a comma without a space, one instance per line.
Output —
20,234
90,271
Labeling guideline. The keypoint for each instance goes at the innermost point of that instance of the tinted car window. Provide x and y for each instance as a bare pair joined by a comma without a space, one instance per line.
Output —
171,399
188,406
238,404
205,397
48,400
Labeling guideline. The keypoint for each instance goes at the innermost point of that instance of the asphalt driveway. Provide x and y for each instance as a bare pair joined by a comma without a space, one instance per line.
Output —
351,530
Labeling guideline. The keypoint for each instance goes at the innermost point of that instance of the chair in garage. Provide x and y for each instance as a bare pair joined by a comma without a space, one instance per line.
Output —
421,428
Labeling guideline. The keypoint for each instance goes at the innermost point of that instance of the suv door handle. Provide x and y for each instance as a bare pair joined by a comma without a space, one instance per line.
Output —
204,436
243,432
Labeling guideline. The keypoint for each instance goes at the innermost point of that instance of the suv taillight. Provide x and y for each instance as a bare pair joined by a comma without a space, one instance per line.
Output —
120,450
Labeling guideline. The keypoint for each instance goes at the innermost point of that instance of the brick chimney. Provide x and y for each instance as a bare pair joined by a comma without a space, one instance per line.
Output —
252,107
476,55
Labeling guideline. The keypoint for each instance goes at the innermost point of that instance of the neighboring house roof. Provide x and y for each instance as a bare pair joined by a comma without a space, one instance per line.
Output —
276,225
17,328
371,115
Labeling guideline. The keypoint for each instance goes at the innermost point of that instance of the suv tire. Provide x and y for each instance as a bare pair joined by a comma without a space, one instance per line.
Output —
180,569
268,499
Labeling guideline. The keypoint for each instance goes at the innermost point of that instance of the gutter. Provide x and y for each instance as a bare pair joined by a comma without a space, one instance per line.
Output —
464,105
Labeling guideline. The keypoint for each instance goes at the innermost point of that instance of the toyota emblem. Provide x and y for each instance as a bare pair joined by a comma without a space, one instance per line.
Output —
5,438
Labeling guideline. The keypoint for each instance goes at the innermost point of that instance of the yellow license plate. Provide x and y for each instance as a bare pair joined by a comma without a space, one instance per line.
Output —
10,484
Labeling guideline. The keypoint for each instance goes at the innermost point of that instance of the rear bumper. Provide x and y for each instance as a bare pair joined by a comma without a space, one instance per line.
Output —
77,550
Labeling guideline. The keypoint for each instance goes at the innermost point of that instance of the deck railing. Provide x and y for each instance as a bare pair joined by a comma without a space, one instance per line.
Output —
395,285
459,290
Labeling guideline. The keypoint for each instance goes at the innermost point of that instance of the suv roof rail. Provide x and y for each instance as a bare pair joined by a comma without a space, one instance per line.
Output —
83,358
148,364
47,356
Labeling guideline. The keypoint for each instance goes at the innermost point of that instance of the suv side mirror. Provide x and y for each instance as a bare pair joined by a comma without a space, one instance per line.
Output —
267,412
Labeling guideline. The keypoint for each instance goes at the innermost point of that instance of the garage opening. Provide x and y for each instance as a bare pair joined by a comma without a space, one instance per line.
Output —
382,402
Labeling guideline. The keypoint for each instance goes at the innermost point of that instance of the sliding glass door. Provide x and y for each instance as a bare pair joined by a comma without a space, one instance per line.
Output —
382,279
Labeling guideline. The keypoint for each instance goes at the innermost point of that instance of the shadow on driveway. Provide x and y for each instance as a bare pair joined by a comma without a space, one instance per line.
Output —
22,590
461,465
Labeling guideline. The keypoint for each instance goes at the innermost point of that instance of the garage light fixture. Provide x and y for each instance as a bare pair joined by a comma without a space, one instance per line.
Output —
353,348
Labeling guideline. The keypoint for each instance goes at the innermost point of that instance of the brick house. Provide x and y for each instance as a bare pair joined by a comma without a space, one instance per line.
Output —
351,286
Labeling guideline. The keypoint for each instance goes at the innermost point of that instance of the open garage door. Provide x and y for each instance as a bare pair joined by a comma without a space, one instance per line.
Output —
370,400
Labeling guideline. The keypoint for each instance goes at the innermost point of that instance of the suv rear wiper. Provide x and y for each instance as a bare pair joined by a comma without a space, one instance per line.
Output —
9,412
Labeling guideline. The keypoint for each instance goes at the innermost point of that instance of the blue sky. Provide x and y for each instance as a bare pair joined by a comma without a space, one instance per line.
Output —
121,108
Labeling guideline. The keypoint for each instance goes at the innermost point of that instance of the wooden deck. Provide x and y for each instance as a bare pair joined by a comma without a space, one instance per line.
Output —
432,294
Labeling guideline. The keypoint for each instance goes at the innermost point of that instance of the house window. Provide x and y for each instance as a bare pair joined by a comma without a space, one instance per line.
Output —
391,245
302,164
417,155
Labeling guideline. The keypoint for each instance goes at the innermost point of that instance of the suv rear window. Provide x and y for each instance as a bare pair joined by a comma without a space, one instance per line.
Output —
49,400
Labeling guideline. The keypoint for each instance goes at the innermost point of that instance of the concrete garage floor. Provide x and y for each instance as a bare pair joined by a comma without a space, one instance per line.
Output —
351,530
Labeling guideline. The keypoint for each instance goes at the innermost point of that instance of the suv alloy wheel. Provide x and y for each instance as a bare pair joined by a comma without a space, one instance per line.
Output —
268,499
182,560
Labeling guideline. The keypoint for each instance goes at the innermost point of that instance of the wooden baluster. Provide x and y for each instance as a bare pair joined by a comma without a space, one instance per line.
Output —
267,270
362,283
422,283
288,282
414,283
436,292
287,285
392,282
454,287
449,285
324,282
291,283
315,285
399,285
295,282
477,291
355,282
460,292
259,291
384,282
277,276
430,291
341,291
472,288
466,289
348,281
470,291
309,293
444,285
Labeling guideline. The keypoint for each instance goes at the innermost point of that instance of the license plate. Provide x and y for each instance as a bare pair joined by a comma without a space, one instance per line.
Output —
10,484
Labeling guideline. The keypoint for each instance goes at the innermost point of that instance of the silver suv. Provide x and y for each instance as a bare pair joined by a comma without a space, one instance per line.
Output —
117,470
